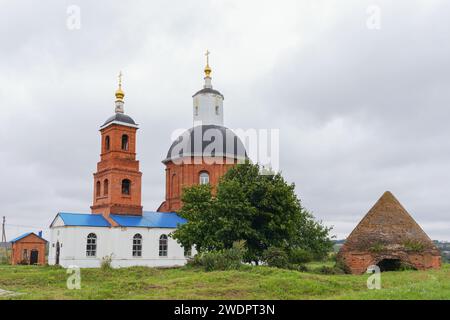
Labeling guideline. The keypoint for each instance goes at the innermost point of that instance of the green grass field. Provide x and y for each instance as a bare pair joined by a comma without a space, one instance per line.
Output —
34,282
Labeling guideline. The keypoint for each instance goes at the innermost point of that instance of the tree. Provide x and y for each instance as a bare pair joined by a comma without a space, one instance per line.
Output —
263,210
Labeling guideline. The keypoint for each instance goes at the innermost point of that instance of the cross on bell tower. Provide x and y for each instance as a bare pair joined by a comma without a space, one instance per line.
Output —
207,68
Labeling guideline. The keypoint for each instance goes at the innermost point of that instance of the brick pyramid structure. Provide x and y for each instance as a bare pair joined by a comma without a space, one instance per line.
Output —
388,237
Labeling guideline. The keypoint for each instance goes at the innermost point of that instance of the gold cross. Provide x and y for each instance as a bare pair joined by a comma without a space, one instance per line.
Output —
207,56
120,79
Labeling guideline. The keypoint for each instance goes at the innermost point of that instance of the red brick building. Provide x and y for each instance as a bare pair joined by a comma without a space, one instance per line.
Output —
388,237
203,153
29,248
117,182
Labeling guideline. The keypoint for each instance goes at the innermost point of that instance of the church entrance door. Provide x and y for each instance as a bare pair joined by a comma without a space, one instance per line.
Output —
34,257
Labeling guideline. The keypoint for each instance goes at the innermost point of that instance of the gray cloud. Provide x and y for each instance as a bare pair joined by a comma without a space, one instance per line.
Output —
359,111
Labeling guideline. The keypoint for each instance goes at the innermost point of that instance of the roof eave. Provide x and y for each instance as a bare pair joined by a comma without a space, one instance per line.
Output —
119,123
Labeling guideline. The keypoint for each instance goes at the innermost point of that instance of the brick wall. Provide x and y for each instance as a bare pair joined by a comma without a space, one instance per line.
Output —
115,166
29,243
186,174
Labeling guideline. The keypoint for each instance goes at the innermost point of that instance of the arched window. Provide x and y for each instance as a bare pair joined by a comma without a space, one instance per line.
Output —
188,252
163,246
126,184
217,110
107,143
105,187
124,142
97,189
91,245
204,177
137,245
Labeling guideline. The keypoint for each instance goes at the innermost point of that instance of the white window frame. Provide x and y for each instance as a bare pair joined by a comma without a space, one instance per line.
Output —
203,177
91,245
163,246
137,246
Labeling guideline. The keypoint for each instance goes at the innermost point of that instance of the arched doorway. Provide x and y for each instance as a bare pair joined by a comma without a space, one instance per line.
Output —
393,264
389,265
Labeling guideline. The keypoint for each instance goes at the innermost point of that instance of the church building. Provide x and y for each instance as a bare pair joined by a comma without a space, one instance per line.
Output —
118,227
203,153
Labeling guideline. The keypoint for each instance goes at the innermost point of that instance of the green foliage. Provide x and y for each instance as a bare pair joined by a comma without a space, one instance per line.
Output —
444,247
341,267
330,270
105,264
333,256
406,267
276,257
445,256
5,256
415,246
293,259
198,209
301,268
263,210
247,283
225,259
377,247
300,256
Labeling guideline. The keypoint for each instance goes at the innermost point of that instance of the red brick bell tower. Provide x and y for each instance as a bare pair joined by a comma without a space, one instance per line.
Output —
117,182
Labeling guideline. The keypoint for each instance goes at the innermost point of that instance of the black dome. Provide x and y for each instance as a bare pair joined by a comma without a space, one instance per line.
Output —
120,117
214,142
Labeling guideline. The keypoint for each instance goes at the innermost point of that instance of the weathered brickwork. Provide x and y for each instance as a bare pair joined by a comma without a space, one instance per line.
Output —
116,165
388,232
181,175
21,250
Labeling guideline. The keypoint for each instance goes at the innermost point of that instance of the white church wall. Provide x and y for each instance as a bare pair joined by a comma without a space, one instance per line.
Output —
116,241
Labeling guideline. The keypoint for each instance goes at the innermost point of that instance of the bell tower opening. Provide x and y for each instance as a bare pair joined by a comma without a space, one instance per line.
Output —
107,143
124,142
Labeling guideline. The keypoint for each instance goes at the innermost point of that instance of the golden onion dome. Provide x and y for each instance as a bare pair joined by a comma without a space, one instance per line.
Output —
207,71
119,92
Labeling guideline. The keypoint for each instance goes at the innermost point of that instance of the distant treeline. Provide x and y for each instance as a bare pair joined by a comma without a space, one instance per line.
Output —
444,246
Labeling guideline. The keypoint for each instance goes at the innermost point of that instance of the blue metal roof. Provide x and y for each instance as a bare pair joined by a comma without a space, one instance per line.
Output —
21,237
84,219
149,219
25,235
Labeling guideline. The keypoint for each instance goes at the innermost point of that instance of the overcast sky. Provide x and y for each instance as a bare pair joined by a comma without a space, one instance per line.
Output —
362,103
